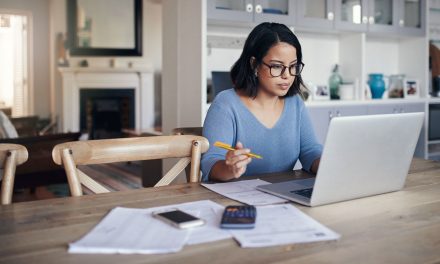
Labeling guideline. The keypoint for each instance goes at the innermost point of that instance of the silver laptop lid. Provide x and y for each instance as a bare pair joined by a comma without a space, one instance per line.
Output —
366,155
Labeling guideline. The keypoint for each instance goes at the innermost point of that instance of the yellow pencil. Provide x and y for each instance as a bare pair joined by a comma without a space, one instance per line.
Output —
228,147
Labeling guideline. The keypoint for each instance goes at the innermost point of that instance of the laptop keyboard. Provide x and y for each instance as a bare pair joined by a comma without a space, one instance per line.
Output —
304,192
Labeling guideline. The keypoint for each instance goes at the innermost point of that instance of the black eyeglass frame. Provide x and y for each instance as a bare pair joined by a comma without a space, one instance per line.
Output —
298,72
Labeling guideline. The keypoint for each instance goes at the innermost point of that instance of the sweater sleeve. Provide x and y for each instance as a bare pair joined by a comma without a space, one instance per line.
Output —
310,148
219,125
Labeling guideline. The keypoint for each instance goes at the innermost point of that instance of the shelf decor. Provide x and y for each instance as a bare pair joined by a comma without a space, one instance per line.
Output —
320,92
411,88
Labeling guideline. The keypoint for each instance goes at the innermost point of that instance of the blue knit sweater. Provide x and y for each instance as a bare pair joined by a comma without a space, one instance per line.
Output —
291,138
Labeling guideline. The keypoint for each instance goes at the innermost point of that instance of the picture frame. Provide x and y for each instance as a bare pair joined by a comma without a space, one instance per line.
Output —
320,92
411,88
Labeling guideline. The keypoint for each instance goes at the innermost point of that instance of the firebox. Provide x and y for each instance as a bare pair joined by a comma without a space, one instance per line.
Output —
105,112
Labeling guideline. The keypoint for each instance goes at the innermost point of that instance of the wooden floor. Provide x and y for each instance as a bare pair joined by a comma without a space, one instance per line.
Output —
115,176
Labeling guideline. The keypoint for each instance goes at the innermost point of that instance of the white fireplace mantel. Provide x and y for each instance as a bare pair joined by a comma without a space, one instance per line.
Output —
77,78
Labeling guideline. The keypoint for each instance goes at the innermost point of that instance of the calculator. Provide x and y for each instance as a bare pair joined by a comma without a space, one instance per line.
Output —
239,217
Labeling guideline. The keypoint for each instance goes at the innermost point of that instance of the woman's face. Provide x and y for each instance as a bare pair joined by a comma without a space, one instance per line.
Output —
281,54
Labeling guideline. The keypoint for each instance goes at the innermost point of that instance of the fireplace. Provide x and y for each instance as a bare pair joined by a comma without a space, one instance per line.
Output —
105,112
137,81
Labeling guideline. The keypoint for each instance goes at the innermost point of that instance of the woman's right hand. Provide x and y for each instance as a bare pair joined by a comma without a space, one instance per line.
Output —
237,160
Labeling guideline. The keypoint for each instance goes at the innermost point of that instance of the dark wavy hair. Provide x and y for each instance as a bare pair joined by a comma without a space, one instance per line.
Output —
260,40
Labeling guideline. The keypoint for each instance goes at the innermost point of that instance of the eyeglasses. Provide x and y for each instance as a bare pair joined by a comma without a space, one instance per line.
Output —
277,70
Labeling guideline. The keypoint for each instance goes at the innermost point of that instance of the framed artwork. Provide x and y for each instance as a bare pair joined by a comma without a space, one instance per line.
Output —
411,88
320,92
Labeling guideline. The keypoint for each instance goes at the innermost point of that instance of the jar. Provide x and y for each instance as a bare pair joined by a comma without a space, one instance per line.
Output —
377,85
396,86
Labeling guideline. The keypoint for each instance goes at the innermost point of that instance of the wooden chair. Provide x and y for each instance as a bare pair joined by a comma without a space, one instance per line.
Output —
11,155
197,131
71,154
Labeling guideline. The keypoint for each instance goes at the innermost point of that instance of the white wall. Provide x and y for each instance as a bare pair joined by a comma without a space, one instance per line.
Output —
184,85
41,76
151,48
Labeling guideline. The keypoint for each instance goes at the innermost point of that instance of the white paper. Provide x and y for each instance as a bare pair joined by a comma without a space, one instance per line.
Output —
212,213
131,230
282,224
245,192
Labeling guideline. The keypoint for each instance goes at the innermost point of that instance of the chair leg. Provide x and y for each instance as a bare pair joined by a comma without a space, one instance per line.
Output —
8,177
70,168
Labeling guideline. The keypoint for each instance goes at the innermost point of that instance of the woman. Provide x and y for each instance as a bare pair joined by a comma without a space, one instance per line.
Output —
263,113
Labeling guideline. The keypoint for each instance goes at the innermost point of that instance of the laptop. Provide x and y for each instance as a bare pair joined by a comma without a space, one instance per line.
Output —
362,156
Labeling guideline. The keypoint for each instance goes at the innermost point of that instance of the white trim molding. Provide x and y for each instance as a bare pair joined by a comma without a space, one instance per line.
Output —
76,78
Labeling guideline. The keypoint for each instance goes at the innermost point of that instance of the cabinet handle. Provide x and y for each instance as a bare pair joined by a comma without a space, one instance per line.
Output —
330,115
338,114
249,8
371,20
401,23
364,20
258,9
330,16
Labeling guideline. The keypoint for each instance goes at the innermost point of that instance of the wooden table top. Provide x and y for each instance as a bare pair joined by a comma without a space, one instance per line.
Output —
398,227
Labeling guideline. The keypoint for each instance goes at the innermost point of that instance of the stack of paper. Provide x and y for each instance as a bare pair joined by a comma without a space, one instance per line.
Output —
282,224
129,230
245,192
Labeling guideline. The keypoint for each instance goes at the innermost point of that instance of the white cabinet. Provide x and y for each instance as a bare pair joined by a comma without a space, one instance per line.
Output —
317,14
321,116
251,11
394,108
396,17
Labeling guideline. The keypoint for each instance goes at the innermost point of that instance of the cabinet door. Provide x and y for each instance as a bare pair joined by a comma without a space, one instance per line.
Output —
420,147
411,15
383,109
317,14
413,108
383,16
230,10
351,15
396,108
355,110
280,11
320,117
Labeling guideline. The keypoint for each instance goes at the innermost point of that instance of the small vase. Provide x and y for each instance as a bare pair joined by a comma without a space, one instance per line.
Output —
377,85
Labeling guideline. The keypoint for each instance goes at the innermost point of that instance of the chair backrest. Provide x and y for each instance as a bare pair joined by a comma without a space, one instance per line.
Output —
11,155
71,154
197,131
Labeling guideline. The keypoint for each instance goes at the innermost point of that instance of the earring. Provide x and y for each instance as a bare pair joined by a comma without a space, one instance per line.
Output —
256,73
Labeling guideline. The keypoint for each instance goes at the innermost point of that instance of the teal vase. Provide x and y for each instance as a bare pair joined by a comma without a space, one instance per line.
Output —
377,85
334,81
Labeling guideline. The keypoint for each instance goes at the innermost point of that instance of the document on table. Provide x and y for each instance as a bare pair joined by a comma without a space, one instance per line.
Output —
212,213
245,192
282,224
131,230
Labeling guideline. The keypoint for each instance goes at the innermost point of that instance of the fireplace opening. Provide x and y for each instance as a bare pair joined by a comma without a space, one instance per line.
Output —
105,112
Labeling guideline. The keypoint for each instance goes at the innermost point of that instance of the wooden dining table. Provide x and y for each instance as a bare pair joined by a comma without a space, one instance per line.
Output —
397,227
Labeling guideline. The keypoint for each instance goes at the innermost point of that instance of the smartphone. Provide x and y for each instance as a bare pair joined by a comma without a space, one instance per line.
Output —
178,218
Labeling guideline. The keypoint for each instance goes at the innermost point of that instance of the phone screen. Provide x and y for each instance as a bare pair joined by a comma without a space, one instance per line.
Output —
178,216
